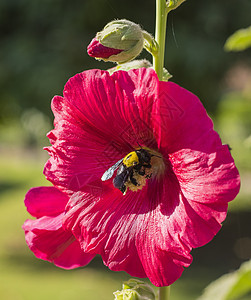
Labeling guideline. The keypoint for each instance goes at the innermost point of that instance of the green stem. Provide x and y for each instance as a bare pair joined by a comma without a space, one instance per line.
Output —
160,36
164,293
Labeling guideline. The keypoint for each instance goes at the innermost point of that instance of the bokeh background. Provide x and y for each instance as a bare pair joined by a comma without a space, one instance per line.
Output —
42,44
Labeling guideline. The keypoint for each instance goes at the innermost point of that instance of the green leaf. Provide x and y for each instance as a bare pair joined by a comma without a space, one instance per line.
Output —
239,41
230,286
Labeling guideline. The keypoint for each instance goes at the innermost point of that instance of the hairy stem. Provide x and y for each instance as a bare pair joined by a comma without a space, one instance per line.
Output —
160,36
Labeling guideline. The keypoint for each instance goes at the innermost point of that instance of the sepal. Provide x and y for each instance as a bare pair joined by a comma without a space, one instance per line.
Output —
173,4
134,64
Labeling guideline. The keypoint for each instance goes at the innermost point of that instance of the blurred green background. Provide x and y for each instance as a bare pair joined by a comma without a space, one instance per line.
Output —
42,44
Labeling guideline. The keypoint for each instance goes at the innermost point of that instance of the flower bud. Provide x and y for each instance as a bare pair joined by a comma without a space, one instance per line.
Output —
135,289
120,41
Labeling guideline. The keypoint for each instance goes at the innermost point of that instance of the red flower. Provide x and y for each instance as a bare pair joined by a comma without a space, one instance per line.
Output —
147,233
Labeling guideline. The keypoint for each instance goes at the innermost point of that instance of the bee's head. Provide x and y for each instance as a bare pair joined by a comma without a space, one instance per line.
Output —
144,155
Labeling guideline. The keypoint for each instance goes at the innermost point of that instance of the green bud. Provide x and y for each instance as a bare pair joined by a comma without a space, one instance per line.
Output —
126,295
135,289
123,35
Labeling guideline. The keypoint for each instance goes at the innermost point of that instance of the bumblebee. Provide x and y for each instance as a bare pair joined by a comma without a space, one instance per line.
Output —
132,169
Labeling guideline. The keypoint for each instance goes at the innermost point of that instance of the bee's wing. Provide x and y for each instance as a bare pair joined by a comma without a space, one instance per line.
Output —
108,174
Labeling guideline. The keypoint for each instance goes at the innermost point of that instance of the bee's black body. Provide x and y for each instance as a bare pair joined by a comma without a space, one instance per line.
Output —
133,164
122,176
126,173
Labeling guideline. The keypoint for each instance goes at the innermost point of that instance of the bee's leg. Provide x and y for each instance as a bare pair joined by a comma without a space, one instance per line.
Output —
148,166
123,189
133,180
141,171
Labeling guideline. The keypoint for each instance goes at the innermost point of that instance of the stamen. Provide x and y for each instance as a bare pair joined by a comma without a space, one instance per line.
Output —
158,164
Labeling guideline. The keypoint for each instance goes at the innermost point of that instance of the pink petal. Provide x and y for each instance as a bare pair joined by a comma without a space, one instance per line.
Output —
100,119
130,233
45,201
206,177
101,226
181,121
46,238
117,106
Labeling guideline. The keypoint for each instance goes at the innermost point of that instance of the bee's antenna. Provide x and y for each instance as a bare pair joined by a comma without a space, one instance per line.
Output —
139,145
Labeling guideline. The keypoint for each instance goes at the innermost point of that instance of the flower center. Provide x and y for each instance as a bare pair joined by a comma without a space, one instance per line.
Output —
148,165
